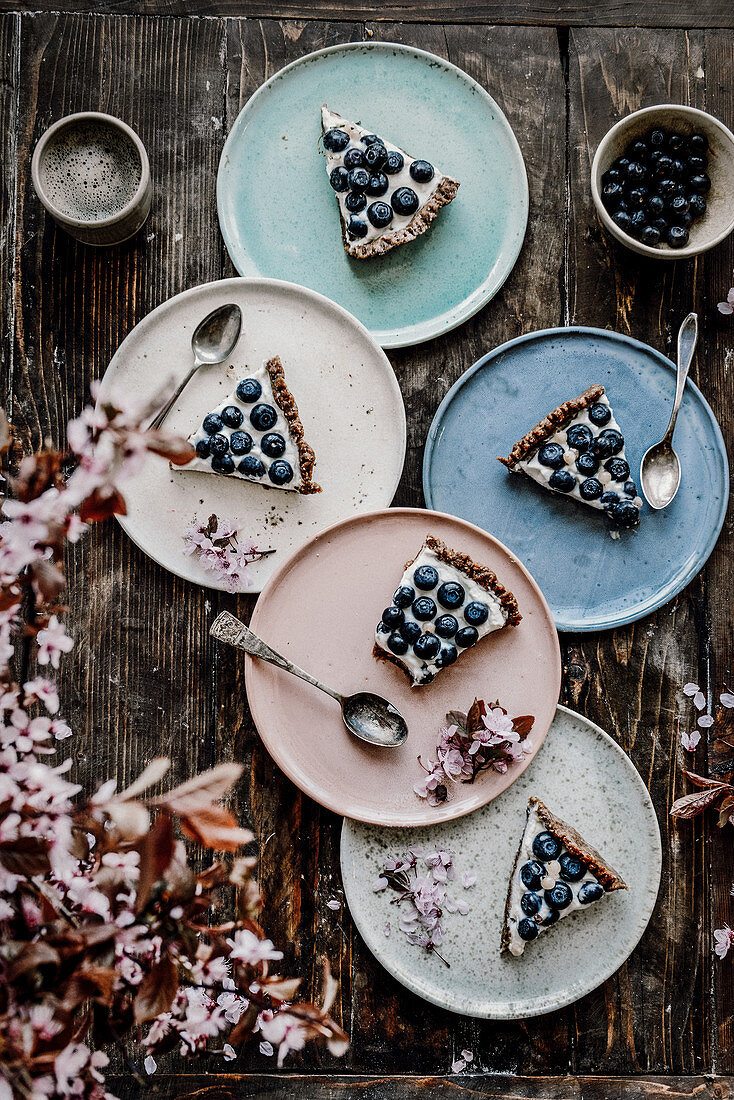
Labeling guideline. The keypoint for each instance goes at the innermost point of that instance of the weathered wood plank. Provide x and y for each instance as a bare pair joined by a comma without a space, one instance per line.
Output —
9,26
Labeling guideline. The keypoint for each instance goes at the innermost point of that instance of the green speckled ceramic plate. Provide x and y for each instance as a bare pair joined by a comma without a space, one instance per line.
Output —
279,218
586,779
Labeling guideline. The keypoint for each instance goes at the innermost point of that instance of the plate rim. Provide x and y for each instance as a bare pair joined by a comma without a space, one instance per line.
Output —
254,703
693,568
563,1002
400,337
149,320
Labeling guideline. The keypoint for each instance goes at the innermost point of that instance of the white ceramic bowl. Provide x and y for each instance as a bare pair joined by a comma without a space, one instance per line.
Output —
718,221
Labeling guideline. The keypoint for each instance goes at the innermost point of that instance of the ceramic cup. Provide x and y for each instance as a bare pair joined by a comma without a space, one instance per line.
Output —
91,173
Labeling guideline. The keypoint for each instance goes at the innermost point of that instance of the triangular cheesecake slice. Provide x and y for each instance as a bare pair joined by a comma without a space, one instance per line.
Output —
556,873
578,451
256,434
445,603
385,196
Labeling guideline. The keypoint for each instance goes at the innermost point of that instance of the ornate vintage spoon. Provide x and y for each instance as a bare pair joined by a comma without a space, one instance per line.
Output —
367,716
660,466
213,340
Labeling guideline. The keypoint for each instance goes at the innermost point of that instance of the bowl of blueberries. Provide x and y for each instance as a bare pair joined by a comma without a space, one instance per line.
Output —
663,181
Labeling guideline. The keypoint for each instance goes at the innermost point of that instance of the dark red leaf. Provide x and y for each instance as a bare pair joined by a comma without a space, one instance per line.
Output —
215,828
37,473
474,717
48,579
156,991
692,804
523,724
156,853
31,956
173,447
704,781
98,507
26,856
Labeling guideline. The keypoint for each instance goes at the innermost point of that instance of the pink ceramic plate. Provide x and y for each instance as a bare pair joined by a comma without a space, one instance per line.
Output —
320,609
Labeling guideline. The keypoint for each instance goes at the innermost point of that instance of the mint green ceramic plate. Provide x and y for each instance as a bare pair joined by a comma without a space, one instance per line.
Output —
279,218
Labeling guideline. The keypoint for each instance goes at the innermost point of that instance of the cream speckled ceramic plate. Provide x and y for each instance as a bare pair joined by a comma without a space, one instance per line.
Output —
586,779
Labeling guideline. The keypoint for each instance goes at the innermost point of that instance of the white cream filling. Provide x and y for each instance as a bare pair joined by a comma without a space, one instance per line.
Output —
474,593
280,426
534,826
403,178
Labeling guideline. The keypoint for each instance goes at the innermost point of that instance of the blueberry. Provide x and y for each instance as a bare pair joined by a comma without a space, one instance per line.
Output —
376,155
218,444
618,468
370,139
630,488
590,891
551,918
378,184
427,646
668,187
655,205
223,464
607,443
393,617
403,596
335,140
202,448
358,179
532,873
447,656
572,868
338,178
621,164
657,139
263,417
551,454
394,163
591,489
381,628
354,158
697,205
356,227
476,613
637,150
611,195
421,171
446,626
600,414
678,206
562,481
677,169
662,167
676,142
405,201
696,165
425,577
698,143
638,221
410,631
527,929
579,437
249,390
466,636
380,214
272,445
240,443
636,172
625,514
424,608
251,466
677,236
531,903
622,220
280,472
612,175
397,644
650,235
662,225
560,897
451,595
700,184
587,463
212,423
231,416
355,201
609,498
636,198
546,846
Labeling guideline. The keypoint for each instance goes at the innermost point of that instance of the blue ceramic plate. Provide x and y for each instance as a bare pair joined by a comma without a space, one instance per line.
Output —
278,214
590,580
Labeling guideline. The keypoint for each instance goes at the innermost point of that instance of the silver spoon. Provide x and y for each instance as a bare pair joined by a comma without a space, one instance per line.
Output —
367,716
660,466
214,339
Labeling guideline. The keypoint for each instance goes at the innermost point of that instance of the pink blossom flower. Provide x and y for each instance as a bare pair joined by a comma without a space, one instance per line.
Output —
282,1030
699,700
706,721
249,949
690,740
45,691
496,721
726,699
727,307
52,642
690,689
723,940
468,879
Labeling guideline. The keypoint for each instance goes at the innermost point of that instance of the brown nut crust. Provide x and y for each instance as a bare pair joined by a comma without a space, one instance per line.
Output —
550,424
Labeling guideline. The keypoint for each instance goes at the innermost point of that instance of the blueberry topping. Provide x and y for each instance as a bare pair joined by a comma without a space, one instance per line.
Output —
376,155
421,171
425,577
424,608
380,214
607,443
394,163
446,626
202,448
249,390
531,903
338,178
451,595
354,158
251,466
218,444
677,236
560,897
405,201
579,437
410,631
587,463
447,656
240,443
600,414
427,646
532,873
231,416
404,596
378,184
263,417
590,891
381,628
562,481
272,445
466,636
355,201
609,498
212,423
358,179
356,227
591,489
618,468
370,139
625,514
393,617
223,464
280,472
527,929
397,644
572,868
476,613
551,454
551,918
546,846
630,488
335,140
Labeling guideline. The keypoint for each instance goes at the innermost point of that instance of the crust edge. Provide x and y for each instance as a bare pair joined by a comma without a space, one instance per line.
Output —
550,424
481,574
421,221
287,405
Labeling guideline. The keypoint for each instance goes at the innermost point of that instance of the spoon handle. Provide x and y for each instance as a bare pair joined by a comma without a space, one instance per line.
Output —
227,628
161,416
687,339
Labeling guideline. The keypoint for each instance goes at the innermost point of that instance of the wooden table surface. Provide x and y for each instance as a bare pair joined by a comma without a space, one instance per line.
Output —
145,679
